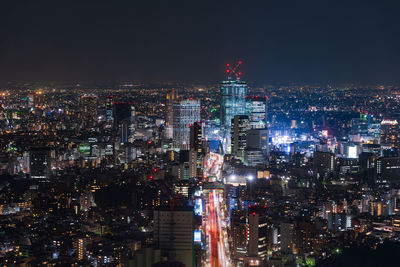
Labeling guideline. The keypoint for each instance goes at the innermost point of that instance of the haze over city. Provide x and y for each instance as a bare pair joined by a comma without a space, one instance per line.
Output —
146,41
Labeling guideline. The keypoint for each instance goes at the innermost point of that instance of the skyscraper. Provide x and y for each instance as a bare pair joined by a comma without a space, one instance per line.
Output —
389,133
196,150
124,118
186,113
169,113
239,230
239,126
257,149
123,130
233,102
257,233
89,110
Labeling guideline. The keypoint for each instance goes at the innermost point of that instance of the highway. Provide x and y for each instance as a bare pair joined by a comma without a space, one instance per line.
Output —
214,223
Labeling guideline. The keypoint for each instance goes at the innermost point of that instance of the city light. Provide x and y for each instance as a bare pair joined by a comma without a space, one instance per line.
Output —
127,140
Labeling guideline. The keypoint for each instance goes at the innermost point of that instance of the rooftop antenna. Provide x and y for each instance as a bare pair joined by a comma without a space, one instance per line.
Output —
233,71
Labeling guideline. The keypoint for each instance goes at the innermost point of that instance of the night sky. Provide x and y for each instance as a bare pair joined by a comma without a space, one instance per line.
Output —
192,40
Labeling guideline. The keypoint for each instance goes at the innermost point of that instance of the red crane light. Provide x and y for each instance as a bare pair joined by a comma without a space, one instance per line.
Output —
234,70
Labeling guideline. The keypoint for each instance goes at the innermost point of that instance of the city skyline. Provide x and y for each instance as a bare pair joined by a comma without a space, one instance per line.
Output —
199,133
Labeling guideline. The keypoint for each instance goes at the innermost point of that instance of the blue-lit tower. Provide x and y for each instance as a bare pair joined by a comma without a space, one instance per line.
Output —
233,102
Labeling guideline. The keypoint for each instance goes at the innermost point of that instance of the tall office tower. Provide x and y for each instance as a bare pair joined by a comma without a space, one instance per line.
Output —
89,110
123,130
186,112
239,127
390,133
173,233
169,113
125,119
257,150
257,233
233,102
39,162
110,111
196,150
257,110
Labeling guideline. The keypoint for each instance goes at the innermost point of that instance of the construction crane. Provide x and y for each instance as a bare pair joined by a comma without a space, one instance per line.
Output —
233,70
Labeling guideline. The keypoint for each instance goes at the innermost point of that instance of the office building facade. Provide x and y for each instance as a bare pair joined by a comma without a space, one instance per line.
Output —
186,113
173,233
196,150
